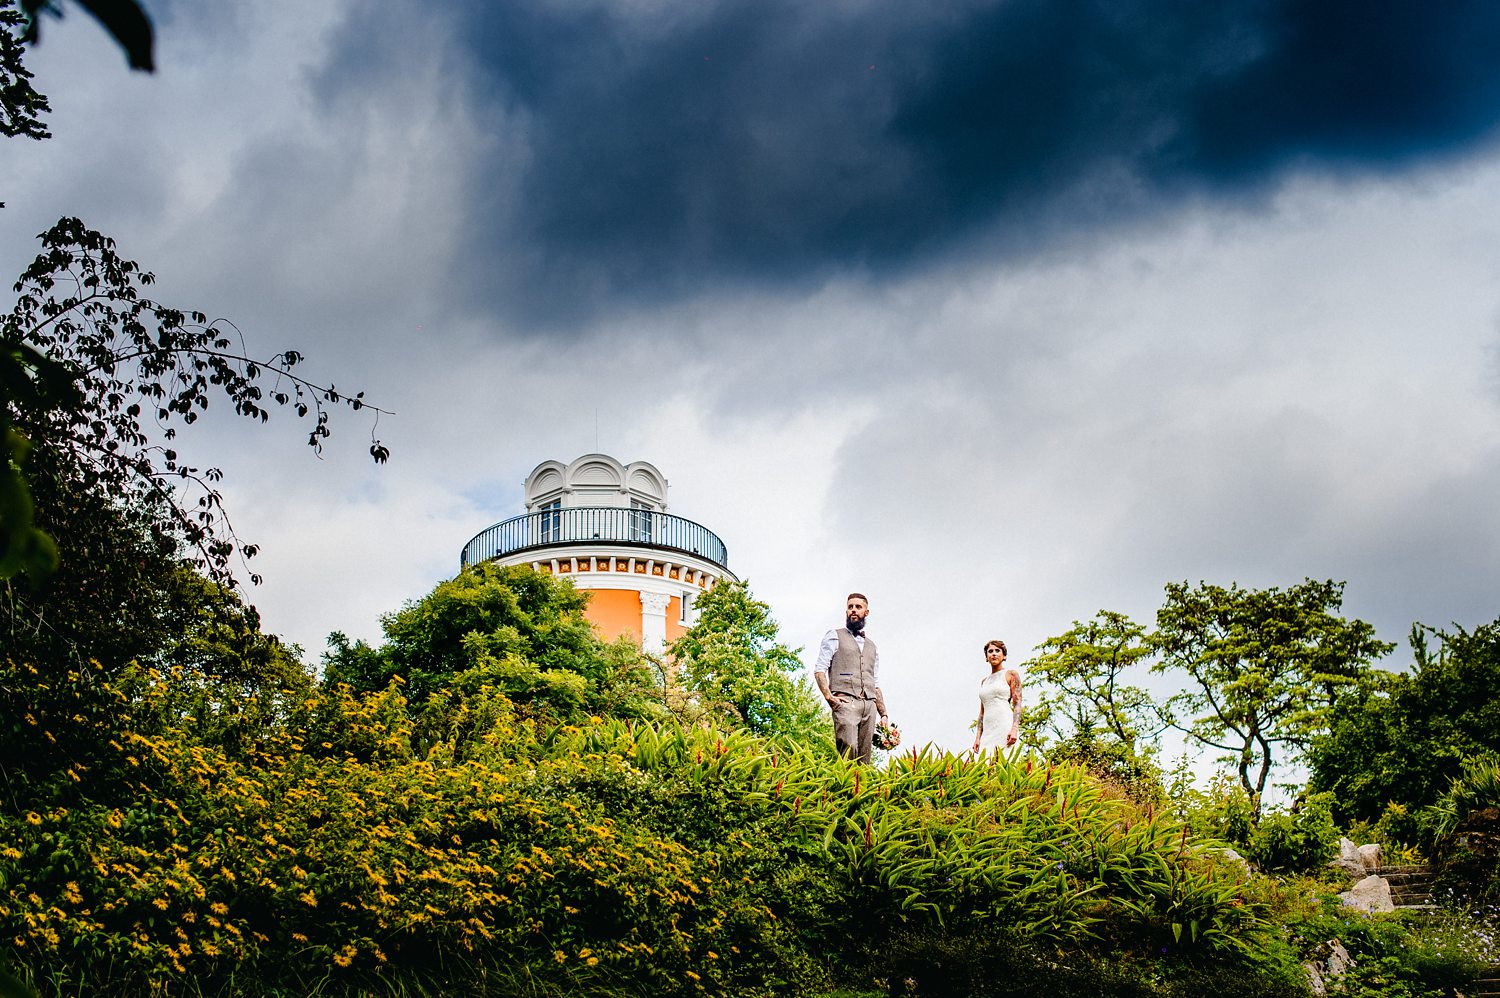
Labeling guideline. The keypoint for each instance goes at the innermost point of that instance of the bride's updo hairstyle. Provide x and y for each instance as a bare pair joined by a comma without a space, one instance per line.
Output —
996,643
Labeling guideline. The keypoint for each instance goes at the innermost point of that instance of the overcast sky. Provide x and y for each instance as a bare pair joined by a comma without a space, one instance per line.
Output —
999,311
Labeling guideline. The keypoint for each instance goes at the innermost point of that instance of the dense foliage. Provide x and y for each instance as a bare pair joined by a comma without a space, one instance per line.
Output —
236,841
515,629
1403,737
731,667
1464,828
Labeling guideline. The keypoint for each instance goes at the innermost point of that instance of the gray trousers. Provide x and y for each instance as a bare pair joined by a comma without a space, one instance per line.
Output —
854,726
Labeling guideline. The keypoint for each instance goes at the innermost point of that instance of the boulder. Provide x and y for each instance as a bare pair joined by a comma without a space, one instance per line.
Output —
1370,856
1315,980
1349,860
1370,894
1229,854
1339,959
1327,961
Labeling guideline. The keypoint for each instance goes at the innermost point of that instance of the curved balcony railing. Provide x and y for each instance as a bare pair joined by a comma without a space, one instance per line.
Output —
595,525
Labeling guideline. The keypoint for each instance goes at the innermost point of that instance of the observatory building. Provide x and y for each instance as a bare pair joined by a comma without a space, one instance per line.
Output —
605,525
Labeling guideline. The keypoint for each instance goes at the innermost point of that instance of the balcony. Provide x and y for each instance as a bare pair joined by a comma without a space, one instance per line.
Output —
593,525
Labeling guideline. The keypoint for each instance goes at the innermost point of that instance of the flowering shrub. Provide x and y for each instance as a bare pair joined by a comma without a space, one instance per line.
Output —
319,840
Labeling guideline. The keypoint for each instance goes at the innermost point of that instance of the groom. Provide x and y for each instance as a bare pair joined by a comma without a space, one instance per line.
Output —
848,676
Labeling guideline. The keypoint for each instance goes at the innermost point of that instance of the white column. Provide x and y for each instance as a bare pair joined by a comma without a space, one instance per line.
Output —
654,622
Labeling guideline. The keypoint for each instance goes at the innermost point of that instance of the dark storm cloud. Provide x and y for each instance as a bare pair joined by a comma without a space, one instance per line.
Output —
674,147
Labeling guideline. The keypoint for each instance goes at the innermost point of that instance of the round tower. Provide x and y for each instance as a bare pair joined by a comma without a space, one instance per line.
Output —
605,525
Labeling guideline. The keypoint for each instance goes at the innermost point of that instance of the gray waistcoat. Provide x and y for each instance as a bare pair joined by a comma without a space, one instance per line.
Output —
853,671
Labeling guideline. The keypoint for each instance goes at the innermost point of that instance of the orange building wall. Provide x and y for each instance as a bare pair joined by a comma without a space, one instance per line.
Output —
675,629
614,612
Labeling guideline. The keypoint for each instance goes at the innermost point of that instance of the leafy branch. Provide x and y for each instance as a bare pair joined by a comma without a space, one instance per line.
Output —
98,371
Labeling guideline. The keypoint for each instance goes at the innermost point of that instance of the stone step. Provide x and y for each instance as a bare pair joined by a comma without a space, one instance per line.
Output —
1420,868
1406,876
1419,909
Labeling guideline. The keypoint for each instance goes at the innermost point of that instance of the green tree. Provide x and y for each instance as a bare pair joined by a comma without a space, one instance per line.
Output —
123,595
1265,667
29,380
1089,665
511,627
21,105
1403,737
216,634
1100,719
113,599
734,668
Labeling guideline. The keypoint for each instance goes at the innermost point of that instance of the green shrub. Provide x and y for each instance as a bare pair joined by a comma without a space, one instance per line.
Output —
1398,954
1399,829
1464,826
1136,776
1224,812
324,841
1299,841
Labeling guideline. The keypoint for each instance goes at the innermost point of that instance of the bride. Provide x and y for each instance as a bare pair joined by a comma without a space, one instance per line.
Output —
999,703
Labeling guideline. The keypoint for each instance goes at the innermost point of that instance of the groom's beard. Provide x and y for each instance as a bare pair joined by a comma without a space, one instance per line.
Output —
855,624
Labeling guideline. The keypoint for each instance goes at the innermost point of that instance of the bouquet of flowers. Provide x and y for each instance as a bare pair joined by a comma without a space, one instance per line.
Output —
887,736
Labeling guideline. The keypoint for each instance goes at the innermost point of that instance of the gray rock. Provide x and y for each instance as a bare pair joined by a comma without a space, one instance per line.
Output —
1349,860
1339,959
1370,894
1370,856
1233,857
1315,980
1328,961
